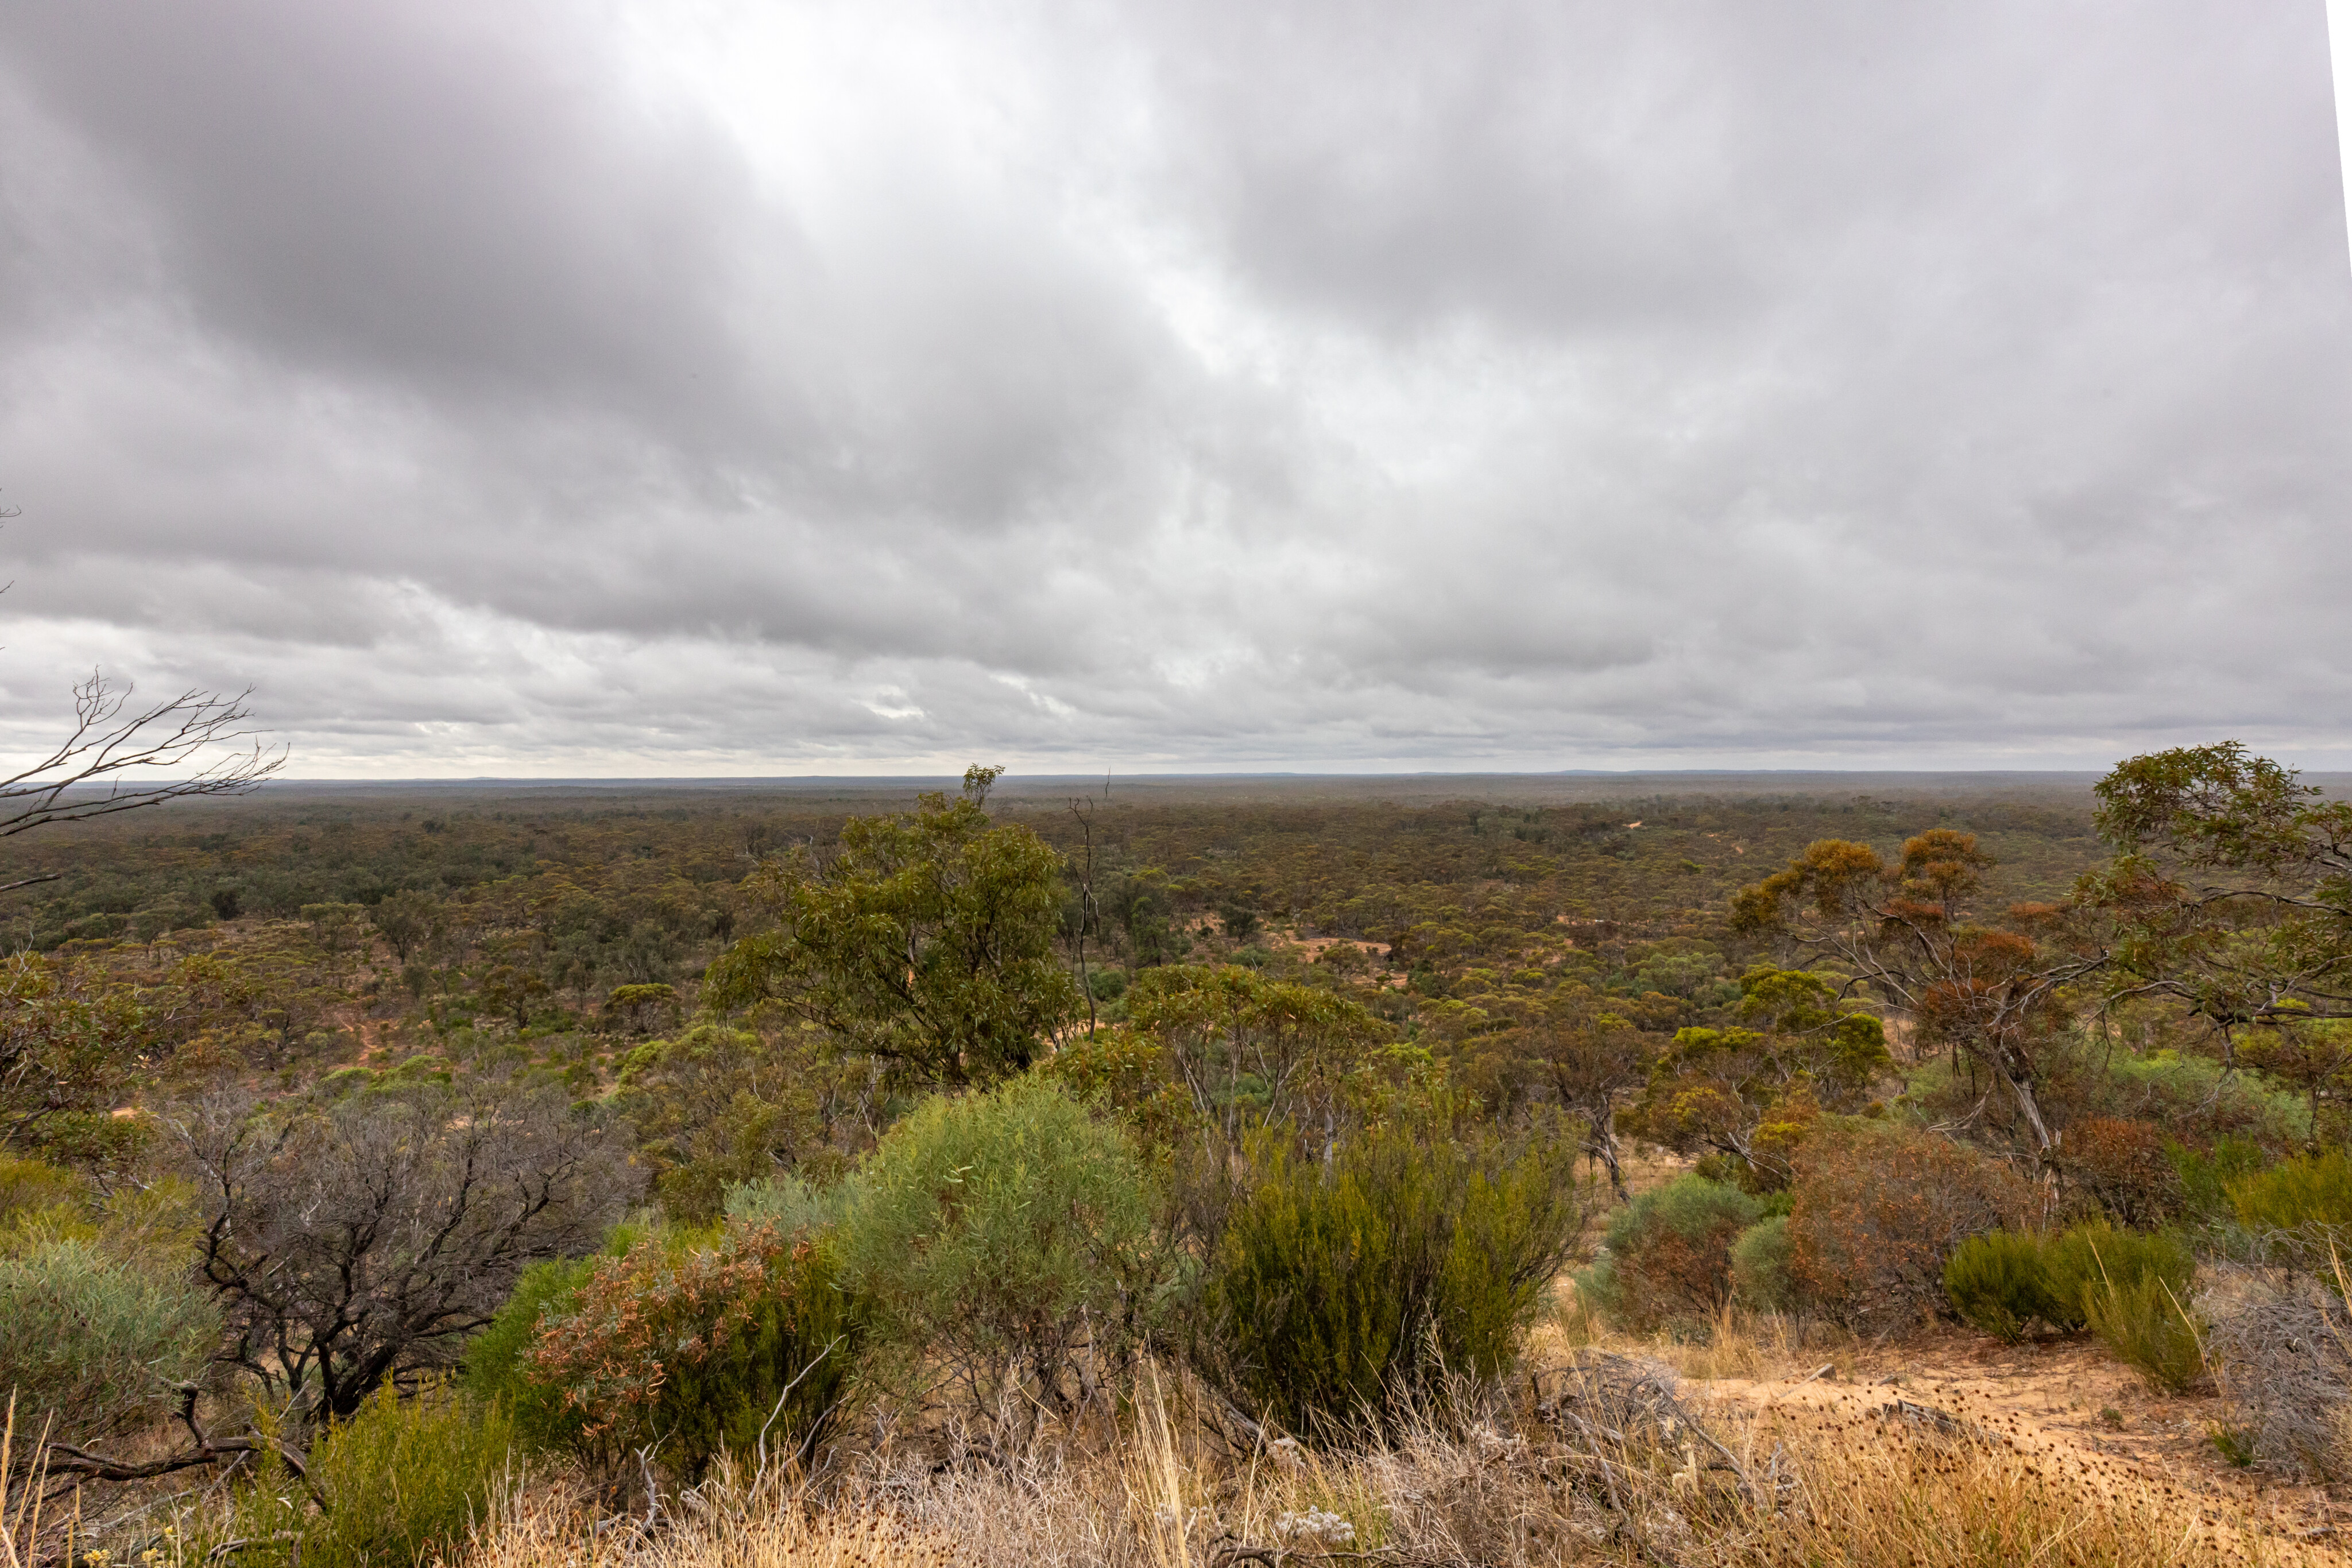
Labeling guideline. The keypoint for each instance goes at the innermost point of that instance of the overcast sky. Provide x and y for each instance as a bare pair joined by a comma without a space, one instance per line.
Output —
571,388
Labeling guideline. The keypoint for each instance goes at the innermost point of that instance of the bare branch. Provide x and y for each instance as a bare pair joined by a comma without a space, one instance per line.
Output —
119,758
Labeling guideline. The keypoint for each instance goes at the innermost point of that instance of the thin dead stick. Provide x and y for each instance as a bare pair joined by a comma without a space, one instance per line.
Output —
787,1394
34,1484
7,1453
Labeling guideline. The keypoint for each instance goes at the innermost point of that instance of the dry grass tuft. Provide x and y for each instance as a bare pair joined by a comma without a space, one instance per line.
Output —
1601,1461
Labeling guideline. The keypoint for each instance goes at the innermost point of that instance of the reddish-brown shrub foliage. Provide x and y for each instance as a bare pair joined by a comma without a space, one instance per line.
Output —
2121,1165
690,1353
1878,1208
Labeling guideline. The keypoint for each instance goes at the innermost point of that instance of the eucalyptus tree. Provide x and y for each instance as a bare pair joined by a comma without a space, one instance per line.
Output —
2231,893
1989,984
926,940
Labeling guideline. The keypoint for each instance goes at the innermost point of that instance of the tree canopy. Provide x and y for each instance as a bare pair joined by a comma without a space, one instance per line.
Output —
1988,984
928,941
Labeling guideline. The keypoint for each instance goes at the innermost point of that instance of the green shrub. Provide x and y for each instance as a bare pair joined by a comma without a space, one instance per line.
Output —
403,1481
2088,1256
498,1360
1878,1208
1009,1236
2303,1208
1668,1258
1759,1267
2202,1098
2207,1175
31,1184
40,1203
96,1341
1997,1283
747,1347
2148,1327
1339,1289
786,1204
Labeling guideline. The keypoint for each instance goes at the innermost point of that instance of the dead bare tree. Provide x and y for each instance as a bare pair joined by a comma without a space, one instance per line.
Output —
121,757
1089,916
361,1242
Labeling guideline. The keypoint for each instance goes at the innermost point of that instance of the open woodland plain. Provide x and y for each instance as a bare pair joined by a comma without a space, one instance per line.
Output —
1499,980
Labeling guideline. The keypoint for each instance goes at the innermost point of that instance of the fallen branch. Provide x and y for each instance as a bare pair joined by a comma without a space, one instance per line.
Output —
204,1450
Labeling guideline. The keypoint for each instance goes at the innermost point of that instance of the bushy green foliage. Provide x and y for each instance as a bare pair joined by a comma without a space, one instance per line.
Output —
1248,1051
745,1347
787,1204
2198,1097
1998,1283
2086,1256
95,1340
1747,1093
717,1108
403,1481
498,1360
2206,1176
2208,834
1009,1233
1342,1288
1668,1258
31,1184
69,1033
1759,1267
2303,1206
2146,1323
927,943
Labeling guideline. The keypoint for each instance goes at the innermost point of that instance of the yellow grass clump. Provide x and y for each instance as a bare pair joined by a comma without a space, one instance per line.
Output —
1593,1472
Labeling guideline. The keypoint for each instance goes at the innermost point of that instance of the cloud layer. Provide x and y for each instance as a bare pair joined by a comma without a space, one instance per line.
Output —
568,389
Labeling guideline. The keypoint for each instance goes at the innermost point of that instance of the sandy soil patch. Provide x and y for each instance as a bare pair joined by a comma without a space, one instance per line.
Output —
2065,1404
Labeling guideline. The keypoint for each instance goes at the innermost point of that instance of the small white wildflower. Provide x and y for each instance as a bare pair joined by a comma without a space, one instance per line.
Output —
1314,1525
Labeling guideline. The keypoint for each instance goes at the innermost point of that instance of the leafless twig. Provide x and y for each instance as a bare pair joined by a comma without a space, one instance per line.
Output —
119,757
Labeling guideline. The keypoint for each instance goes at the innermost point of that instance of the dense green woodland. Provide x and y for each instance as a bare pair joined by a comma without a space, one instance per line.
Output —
693,1126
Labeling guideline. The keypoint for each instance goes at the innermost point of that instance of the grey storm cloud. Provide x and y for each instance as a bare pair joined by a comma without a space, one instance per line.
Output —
549,388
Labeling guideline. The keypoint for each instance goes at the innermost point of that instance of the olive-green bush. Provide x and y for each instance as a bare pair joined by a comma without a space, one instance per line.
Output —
1667,1258
2302,1207
2150,1327
497,1367
94,1341
1352,1288
1998,1283
1759,1267
1007,1237
32,1184
787,1203
2097,1254
2208,1174
403,1481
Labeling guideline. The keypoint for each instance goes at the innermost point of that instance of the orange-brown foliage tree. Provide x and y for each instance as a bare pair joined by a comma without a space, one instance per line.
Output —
1989,989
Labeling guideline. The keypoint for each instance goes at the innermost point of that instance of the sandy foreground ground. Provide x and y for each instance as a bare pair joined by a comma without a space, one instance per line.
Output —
2062,1405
